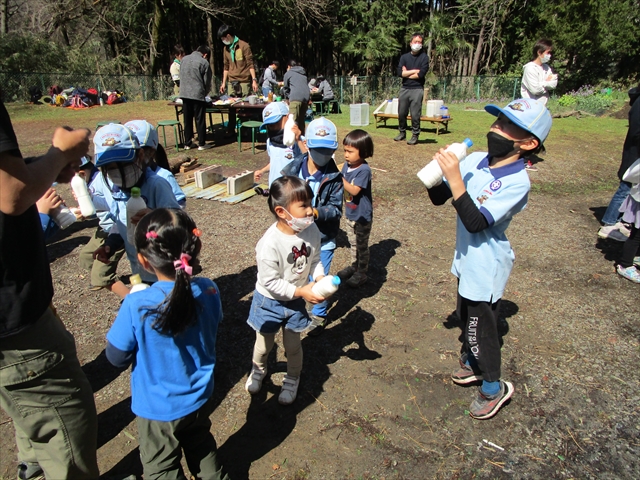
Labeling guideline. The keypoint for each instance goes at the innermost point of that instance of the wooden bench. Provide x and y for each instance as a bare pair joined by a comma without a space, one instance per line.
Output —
438,121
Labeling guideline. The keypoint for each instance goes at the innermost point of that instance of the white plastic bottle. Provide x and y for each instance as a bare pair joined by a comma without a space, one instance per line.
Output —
134,205
289,138
79,187
327,286
431,175
63,217
136,284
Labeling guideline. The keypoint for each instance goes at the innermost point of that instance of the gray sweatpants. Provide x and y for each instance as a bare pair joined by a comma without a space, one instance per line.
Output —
410,99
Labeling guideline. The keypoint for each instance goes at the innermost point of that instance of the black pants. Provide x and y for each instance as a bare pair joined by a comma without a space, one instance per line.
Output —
480,335
630,248
410,99
197,109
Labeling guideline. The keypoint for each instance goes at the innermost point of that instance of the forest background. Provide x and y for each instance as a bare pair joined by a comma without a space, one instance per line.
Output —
596,42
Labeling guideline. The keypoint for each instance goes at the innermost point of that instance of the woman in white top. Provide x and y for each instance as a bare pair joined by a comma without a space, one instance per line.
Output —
538,78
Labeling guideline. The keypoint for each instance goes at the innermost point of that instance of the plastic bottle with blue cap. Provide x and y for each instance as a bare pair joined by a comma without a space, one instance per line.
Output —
327,286
431,175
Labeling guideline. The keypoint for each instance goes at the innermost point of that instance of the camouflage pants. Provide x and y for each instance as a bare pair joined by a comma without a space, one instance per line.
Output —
358,235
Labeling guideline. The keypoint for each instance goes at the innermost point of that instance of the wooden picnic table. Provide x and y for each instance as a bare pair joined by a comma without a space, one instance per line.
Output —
232,110
383,117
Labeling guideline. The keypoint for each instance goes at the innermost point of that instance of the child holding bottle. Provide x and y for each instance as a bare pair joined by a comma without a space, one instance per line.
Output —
630,208
168,333
358,206
124,165
287,254
488,189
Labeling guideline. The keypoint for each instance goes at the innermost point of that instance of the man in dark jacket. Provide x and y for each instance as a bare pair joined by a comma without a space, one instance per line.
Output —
297,87
612,228
42,387
412,68
195,85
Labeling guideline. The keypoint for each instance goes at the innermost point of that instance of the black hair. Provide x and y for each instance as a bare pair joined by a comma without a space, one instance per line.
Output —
541,45
162,237
178,50
225,30
161,158
293,63
360,140
276,63
414,35
320,78
204,50
286,190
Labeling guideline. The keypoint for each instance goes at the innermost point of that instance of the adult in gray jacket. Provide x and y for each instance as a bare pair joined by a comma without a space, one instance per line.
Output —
297,88
195,85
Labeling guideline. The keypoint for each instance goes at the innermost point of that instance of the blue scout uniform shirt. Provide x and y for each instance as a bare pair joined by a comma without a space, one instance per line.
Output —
359,208
483,260
280,157
181,198
102,200
171,377
314,182
156,193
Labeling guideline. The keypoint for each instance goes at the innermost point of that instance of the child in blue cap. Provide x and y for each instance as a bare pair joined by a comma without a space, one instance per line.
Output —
274,117
155,155
124,166
488,189
320,171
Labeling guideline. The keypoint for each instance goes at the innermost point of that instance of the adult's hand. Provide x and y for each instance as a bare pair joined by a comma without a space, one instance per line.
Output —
222,88
74,144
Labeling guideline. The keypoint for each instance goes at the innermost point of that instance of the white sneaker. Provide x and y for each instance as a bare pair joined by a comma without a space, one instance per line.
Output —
617,232
254,382
289,390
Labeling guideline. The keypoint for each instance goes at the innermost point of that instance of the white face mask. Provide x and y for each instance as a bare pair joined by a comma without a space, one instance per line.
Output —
132,174
416,47
298,224
545,58
226,42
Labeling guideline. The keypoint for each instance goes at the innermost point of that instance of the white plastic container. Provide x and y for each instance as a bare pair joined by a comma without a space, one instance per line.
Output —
359,114
431,175
63,217
433,107
394,106
289,137
444,111
327,286
79,187
134,205
388,109
136,284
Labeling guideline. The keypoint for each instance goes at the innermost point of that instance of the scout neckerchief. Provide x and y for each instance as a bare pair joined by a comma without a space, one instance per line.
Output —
232,49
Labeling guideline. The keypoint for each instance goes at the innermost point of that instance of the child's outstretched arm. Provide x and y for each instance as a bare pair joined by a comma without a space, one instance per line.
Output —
472,219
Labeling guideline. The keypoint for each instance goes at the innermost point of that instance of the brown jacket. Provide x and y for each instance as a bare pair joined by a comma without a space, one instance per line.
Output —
239,70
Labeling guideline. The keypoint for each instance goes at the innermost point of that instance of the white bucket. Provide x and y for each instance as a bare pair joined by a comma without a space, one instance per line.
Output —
433,107
359,114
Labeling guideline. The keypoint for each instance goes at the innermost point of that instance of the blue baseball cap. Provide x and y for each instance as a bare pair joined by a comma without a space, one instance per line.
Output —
273,112
322,133
146,134
114,143
530,115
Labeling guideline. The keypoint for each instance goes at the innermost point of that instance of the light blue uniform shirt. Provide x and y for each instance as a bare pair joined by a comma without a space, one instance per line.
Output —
181,198
102,199
171,377
483,260
281,157
156,193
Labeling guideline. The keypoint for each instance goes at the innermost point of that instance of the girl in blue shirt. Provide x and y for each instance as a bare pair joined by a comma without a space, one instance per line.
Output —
168,332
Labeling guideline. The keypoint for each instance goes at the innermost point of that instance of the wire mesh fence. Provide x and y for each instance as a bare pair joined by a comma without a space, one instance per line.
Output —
370,89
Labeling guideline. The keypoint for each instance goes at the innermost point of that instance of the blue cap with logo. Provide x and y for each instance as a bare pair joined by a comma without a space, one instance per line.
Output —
114,143
146,134
527,113
273,112
322,133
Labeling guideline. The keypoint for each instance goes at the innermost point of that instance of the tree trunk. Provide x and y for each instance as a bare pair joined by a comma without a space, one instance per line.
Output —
210,44
476,56
3,16
156,23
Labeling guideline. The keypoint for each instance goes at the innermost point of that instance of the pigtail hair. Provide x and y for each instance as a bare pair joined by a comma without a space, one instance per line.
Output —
169,240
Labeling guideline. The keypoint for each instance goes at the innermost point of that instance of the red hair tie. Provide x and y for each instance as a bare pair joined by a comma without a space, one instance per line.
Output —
151,234
183,264
197,232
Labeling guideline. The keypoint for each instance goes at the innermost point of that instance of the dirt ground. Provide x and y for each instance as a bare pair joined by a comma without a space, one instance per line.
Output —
376,399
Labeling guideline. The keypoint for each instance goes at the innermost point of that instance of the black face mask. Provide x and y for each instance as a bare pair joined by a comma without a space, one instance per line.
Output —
499,146
276,136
